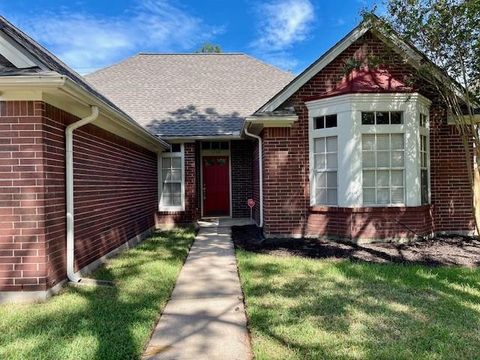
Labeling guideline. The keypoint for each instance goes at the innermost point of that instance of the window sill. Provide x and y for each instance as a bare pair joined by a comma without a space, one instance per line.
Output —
371,209
171,209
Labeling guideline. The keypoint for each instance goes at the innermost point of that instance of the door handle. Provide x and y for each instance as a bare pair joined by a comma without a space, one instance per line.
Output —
204,193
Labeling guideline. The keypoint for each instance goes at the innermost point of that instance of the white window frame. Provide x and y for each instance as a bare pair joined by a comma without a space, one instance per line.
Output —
162,156
349,130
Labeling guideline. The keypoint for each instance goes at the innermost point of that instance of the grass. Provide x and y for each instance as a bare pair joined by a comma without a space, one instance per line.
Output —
337,309
100,322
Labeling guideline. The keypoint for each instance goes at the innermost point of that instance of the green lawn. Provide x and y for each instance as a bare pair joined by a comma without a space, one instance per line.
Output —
100,323
326,309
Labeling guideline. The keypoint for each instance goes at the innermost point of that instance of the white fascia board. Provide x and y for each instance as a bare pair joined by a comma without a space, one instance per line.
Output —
180,139
272,121
303,78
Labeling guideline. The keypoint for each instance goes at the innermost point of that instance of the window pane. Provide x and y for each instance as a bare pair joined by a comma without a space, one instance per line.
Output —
383,159
382,118
166,163
166,175
397,177
424,186
397,142
332,161
224,145
383,142
331,196
383,178
319,145
397,159
368,118
206,145
369,196
383,196
176,163
396,117
320,162
368,159
176,175
332,144
177,200
319,122
369,178
176,148
330,121
321,180
321,196
368,142
332,179
397,196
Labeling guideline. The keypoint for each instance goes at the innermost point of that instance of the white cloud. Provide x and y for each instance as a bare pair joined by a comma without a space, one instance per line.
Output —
87,42
282,24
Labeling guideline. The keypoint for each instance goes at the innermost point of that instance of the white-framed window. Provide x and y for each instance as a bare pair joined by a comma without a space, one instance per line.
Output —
325,170
172,179
383,169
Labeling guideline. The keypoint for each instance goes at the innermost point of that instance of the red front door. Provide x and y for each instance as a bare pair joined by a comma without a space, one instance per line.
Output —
216,186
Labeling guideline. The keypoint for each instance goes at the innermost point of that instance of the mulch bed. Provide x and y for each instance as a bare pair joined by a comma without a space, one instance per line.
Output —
444,250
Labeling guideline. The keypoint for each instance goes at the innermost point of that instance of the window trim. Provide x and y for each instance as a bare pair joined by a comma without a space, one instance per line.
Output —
161,156
424,130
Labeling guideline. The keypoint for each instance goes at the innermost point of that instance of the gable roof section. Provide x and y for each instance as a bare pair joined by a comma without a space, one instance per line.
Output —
413,56
190,95
313,69
29,60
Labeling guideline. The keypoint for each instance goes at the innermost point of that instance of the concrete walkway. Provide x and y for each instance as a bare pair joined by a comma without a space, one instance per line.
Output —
205,317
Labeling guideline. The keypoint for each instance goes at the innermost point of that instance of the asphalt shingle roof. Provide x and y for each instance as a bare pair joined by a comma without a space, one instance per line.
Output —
175,95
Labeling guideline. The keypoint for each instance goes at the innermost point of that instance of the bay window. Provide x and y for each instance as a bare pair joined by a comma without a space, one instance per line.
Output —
171,182
369,150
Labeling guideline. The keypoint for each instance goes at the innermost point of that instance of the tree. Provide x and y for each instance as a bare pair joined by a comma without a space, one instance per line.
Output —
448,34
208,48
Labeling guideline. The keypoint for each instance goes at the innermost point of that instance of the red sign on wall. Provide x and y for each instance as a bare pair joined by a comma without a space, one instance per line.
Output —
251,203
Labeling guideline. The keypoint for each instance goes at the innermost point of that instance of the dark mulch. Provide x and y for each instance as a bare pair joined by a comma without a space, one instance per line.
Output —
444,250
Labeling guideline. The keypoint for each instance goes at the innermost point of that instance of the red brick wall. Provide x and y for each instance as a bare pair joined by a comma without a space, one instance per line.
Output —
115,194
241,161
286,181
370,223
192,211
256,183
23,261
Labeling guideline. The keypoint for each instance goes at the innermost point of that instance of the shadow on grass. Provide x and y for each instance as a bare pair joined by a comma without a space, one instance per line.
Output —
85,322
341,309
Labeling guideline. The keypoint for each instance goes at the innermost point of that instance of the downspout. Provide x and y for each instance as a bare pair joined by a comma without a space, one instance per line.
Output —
69,191
260,170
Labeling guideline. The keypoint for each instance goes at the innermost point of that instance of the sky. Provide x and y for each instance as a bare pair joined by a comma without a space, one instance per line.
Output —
92,34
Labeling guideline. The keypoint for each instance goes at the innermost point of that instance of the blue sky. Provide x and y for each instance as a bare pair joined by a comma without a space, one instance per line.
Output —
92,34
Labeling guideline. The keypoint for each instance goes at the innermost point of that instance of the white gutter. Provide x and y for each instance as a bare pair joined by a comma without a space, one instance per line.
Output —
69,190
260,170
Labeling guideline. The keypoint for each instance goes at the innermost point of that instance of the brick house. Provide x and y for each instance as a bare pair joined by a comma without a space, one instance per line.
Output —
90,165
